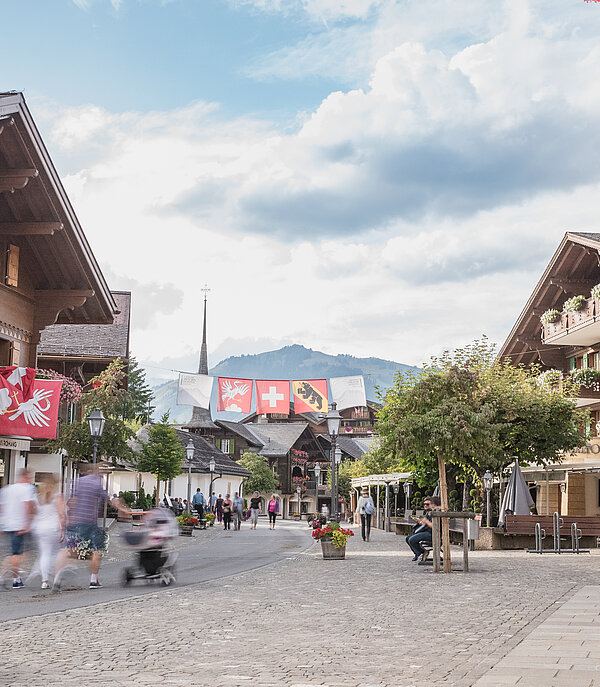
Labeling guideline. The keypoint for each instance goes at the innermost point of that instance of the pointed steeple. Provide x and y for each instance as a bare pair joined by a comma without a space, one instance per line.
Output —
201,421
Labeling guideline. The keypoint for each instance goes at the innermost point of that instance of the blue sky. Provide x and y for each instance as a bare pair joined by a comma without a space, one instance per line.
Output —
373,177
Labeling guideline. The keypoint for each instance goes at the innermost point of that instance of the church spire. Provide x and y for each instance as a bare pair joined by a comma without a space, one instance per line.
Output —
203,364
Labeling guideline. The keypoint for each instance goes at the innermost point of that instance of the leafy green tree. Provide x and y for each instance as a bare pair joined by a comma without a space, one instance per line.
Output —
162,454
262,478
138,401
106,394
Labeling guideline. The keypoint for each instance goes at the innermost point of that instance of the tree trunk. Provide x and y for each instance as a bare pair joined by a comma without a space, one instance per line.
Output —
445,521
465,505
157,492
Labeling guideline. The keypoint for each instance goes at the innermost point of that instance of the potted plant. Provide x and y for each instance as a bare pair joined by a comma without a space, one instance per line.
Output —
586,377
210,519
574,304
316,520
187,522
333,540
595,293
550,316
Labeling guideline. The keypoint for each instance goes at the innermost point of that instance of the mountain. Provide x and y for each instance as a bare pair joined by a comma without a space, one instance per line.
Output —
290,362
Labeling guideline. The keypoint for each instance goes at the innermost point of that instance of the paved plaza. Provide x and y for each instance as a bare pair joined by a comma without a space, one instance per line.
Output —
373,620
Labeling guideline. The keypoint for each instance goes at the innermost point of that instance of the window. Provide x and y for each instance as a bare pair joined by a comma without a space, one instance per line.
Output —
226,445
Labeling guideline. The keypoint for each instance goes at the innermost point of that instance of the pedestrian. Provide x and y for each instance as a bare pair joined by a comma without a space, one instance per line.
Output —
325,512
198,503
219,508
82,520
17,507
227,508
255,508
422,533
238,510
185,505
365,508
273,510
48,527
179,506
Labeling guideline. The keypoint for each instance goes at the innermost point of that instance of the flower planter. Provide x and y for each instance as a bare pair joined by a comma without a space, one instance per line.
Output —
330,552
186,530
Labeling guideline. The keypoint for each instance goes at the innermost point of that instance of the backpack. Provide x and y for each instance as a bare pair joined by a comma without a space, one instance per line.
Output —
369,508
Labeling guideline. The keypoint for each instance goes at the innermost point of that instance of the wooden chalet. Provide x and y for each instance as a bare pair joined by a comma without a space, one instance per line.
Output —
568,344
49,273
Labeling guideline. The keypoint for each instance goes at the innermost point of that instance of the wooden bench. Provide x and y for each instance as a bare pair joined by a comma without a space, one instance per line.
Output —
525,524
456,531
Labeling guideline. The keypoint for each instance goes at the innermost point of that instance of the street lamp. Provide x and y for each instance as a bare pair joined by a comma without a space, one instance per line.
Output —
406,487
488,483
333,428
96,423
396,490
299,491
317,475
212,466
189,449
338,460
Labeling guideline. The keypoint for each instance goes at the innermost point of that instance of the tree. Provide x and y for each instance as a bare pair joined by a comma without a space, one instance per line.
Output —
107,394
138,401
262,478
470,412
162,454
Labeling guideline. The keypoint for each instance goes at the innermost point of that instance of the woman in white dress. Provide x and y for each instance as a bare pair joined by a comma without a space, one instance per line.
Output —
48,525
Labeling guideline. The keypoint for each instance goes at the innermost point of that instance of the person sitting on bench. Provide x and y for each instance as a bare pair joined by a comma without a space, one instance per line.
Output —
422,532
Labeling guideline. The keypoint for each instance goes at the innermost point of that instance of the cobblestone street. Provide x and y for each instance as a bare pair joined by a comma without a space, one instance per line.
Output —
375,619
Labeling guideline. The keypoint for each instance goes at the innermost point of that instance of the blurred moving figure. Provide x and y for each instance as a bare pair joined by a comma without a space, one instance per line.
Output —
17,507
48,527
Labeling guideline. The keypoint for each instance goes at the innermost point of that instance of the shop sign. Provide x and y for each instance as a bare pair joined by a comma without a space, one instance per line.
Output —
14,444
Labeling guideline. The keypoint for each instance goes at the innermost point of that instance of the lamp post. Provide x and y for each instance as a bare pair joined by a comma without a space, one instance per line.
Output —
299,491
333,428
212,466
189,449
406,488
338,460
96,424
396,490
488,483
317,475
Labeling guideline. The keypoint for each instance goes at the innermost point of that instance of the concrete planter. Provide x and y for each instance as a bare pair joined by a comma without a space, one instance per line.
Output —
330,552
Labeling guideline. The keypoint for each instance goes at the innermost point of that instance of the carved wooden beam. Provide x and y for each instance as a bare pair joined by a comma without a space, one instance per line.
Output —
4,122
50,303
12,179
574,286
28,172
530,343
29,228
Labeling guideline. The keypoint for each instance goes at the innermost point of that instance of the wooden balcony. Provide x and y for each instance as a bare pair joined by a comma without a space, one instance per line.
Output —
581,328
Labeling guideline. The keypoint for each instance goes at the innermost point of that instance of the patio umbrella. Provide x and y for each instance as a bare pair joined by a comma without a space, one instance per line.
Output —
517,499
436,491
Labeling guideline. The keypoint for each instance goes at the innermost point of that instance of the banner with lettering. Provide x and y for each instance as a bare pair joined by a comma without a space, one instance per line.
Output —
272,396
36,417
194,390
310,396
234,395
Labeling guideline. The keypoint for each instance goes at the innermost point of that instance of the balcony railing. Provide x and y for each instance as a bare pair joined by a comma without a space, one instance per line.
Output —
581,328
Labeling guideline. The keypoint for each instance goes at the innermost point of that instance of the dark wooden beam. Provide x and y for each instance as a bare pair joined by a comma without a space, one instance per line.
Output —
29,228
28,172
51,302
11,184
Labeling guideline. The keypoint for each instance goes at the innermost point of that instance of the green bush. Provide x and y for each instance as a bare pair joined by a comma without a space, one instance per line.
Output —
129,498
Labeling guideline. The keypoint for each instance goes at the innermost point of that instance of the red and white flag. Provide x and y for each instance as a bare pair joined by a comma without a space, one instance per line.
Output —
15,382
36,417
234,395
272,396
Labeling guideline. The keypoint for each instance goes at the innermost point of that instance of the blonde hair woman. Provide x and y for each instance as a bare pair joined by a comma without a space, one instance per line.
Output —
48,525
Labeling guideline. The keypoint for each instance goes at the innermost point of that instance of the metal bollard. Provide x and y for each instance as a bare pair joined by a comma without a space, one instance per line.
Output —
557,523
575,537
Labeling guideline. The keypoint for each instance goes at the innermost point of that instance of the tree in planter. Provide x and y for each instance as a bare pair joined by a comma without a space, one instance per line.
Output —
106,394
262,478
162,455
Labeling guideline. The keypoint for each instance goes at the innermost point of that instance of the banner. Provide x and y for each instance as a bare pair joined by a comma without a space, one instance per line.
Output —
38,416
15,381
234,395
272,396
348,391
310,396
194,390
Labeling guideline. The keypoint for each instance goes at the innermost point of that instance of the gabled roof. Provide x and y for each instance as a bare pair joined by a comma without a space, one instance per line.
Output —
573,269
203,452
351,447
277,438
241,430
91,340
36,212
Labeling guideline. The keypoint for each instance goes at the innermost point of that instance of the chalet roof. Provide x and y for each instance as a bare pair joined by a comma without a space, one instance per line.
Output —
203,452
573,269
351,446
37,215
277,438
201,419
91,340
241,430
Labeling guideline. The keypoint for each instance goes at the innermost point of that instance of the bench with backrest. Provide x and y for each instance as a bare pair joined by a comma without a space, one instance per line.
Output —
525,524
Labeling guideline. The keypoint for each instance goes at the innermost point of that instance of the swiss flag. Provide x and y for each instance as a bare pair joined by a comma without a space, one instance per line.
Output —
234,395
272,396
37,417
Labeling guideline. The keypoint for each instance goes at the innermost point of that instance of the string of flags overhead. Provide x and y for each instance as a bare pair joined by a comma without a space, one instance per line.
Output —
272,395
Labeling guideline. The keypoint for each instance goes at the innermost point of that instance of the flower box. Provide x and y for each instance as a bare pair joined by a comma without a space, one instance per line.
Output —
332,552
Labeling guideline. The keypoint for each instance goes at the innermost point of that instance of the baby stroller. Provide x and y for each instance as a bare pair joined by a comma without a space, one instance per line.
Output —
155,556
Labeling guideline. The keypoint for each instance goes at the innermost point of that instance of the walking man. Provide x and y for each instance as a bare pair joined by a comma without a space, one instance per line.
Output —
88,494
198,503
238,511
17,508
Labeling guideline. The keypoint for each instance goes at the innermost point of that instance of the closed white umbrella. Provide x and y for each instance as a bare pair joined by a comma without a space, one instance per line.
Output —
517,499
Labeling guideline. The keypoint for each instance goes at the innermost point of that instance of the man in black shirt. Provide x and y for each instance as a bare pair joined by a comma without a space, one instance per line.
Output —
255,508
422,532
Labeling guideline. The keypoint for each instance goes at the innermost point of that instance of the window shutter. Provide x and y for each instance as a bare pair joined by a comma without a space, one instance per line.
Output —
572,364
15,352
231,446
12,266
218,443
585,361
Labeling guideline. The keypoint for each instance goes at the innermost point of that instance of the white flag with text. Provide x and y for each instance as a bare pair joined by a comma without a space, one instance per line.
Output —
348,391
194,390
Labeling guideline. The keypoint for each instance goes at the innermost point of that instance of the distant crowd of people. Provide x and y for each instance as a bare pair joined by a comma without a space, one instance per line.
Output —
227,510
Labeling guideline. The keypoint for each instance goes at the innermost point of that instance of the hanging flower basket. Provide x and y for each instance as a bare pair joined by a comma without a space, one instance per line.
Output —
574,304
550,317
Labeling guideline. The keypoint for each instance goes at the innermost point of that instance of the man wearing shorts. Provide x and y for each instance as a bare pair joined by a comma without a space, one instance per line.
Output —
17,507
84,507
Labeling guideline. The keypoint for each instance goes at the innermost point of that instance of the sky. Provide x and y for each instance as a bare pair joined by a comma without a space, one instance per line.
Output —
381,178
